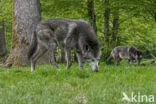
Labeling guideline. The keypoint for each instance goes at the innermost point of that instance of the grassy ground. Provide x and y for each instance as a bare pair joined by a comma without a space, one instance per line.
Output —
48,86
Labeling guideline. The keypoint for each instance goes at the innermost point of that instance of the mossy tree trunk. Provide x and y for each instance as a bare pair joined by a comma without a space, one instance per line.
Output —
26,14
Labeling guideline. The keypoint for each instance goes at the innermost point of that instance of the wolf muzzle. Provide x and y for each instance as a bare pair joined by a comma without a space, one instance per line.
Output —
94,66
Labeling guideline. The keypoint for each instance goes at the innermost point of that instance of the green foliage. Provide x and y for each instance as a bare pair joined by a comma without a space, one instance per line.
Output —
64,8
48,86
139,34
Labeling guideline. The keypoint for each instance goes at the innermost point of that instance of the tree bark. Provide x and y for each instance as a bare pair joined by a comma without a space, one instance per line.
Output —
26,14
91,13
3,49
115,28
106,22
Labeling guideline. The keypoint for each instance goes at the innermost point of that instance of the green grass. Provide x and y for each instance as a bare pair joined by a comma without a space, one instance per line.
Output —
73,86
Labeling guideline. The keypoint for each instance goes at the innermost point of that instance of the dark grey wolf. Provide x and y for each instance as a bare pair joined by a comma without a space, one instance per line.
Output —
130,53
68,34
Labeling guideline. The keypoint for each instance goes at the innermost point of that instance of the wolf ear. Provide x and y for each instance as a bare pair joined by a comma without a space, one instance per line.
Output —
86,48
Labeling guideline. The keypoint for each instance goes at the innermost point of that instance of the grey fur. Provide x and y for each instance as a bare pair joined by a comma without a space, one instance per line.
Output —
125,52
68,34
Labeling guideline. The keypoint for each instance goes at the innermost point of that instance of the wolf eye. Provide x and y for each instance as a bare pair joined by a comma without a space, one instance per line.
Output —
92,60
87,47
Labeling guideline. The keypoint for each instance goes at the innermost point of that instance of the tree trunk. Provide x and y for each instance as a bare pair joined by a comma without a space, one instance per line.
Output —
106,23
155,11
91,13
26,14
115,28
3,49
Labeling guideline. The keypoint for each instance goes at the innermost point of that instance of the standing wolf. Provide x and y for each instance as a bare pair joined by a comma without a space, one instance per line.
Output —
68,34
125,52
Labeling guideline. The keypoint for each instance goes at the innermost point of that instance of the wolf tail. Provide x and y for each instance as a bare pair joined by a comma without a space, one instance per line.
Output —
109,58
33,46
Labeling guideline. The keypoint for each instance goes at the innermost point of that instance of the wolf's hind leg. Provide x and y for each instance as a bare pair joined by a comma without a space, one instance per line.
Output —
32,65
80,59
52,47
39,52
68,57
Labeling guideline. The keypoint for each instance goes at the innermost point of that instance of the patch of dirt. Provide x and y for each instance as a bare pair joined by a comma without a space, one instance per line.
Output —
81,98
68,86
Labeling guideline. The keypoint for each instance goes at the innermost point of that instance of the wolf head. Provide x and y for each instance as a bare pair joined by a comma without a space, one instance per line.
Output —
89,45
92,54
136,54
139,56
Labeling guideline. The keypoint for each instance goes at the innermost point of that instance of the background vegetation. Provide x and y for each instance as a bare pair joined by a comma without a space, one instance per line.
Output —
137,20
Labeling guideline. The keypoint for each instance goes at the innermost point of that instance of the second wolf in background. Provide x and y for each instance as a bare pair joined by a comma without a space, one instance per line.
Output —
130,53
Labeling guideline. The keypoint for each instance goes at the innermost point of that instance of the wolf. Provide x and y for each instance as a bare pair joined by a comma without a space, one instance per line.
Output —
130,53
68,34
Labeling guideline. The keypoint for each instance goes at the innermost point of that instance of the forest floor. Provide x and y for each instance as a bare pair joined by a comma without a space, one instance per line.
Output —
48,86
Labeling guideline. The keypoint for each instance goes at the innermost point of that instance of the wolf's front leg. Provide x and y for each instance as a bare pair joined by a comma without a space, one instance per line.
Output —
132,61
80,60
128,62
68,57
138,61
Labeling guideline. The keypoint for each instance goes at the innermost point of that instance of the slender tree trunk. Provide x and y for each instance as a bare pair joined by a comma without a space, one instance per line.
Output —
106,23
26,14
3,49
115,28
155,11
91,13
